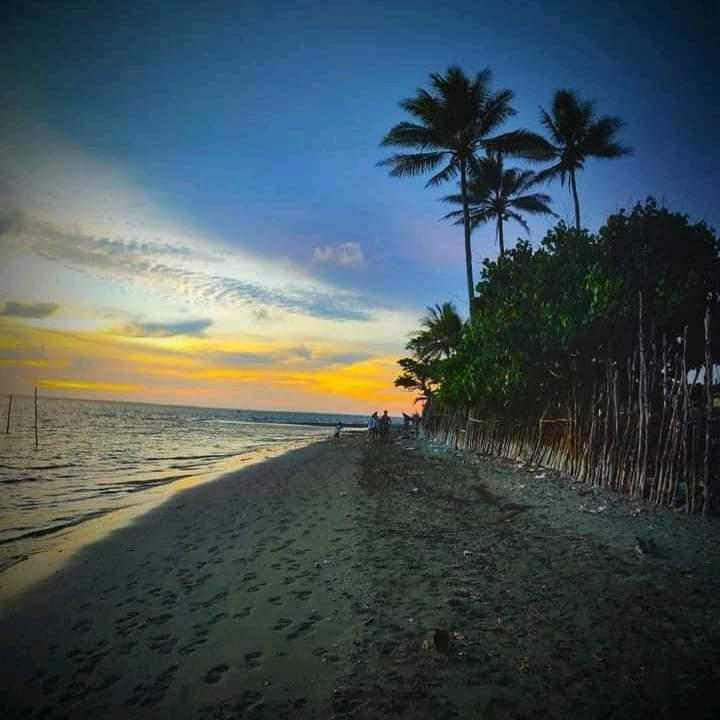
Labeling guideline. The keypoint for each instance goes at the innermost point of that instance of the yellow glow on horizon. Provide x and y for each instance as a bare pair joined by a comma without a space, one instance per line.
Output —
206,370
89,385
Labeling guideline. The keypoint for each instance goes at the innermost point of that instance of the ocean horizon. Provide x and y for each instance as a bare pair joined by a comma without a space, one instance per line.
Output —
95,457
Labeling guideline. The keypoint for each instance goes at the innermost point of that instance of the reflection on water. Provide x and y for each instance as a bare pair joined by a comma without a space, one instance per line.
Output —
96,457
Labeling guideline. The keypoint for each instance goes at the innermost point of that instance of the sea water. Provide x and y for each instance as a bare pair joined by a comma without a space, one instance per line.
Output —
96,457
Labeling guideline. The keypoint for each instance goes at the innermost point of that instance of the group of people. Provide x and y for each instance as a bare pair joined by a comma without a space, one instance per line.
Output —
411,425
379,427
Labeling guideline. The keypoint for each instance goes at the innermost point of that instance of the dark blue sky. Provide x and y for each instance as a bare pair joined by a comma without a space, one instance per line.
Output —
261,121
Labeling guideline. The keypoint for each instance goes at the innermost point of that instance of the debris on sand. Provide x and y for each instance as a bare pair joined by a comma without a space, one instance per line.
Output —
594,511
441,640
645,547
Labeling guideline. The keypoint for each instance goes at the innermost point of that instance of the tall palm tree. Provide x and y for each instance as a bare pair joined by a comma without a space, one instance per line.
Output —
576,134
452,122
441,333
498,194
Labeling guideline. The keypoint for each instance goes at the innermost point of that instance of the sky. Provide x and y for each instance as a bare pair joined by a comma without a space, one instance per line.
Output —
190,205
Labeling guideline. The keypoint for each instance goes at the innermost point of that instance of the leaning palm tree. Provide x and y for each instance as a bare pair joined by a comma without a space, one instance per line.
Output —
576,134
441,333
451,126
499,194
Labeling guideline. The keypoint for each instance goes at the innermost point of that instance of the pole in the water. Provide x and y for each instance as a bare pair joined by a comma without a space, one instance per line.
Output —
7,427
36,437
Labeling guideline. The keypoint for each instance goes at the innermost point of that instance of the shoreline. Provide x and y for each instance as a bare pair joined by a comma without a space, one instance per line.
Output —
64,544
314,585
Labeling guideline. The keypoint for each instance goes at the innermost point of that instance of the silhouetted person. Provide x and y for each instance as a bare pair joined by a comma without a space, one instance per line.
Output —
385,423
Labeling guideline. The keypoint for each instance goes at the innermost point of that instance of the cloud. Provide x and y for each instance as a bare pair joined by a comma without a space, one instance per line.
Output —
243,359
160,330
299,356
32,310
301,352
190,271
348,358
293,298
346,254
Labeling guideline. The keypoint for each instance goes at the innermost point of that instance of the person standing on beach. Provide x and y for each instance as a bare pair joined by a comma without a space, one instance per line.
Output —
385,423
415,425
406,426
373,427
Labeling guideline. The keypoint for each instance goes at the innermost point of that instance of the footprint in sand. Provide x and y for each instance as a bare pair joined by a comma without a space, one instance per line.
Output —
153,691
166,647
276,600
252,659
127,648
159,619
243,613
215,674
304,627
282,623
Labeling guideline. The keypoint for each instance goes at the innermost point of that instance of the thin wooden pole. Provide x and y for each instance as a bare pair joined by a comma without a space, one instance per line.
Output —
36,423
7,427
707,499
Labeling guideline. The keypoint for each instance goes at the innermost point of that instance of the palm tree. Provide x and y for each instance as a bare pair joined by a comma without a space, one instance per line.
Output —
576,134
497,193
441,333
451,125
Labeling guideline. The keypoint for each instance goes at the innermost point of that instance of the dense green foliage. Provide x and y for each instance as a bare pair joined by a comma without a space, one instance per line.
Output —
547,318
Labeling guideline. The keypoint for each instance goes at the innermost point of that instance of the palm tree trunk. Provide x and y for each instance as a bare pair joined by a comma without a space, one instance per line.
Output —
468,248
501,240
575,198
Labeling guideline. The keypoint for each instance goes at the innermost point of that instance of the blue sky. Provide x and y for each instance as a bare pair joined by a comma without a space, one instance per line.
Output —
257,124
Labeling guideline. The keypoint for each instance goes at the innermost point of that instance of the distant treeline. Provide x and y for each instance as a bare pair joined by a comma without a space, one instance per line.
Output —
606,335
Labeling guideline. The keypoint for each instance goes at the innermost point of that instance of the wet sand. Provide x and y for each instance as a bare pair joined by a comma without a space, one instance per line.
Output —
353,581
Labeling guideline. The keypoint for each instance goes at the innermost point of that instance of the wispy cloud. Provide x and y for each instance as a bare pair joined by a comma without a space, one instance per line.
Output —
347,358
346,254
168,329
190,271
29,310
300,356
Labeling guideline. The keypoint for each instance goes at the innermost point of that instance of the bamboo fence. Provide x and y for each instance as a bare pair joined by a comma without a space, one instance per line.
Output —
645,428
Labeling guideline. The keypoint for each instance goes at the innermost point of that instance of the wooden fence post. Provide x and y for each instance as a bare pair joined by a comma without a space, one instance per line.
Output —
36,419
707,500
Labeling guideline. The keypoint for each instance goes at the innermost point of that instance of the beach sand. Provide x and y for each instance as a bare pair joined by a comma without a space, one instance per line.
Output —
353,581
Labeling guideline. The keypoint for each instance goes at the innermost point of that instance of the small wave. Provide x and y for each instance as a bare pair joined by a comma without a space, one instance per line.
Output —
58,466
288,423
16,481
69,522
14,560
211,456
138,485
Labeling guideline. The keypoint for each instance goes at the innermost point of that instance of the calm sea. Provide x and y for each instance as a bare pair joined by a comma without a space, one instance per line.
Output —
97,457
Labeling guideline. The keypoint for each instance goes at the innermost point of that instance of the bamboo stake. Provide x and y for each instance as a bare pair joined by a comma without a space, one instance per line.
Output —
708,414
36,419
7,427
